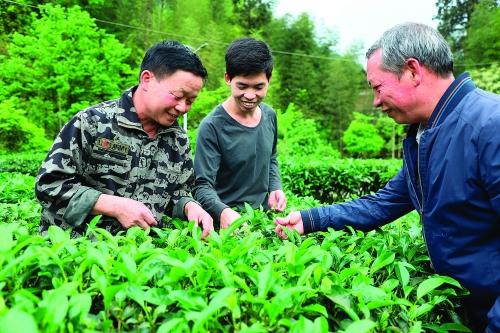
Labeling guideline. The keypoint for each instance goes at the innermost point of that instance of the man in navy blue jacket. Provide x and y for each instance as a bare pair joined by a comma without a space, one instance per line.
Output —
451,170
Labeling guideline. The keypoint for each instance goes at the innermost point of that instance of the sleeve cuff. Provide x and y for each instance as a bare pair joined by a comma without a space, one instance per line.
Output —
178,211
80,205
218,210
310,220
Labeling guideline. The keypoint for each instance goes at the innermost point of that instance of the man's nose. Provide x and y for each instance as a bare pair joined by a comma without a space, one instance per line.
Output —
182,107
377,102
250,95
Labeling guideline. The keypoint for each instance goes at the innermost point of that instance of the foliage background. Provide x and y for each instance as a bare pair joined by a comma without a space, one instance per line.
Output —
59,56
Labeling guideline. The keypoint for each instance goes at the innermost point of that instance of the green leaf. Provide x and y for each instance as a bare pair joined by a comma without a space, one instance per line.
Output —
315,308
219,300
56,304
6,238
416,327
302,325
136,293
321,324
187,300
455,327
343,300
265,278
421,310
79,305
156,296
57,235
94,256
173,237
173,325
386,258
360,326
129,263
429,285
402,273
16,320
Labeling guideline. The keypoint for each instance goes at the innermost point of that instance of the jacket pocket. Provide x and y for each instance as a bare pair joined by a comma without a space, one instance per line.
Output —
102,166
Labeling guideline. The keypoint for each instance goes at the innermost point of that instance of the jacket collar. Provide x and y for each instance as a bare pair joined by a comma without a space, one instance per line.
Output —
127,116
460,87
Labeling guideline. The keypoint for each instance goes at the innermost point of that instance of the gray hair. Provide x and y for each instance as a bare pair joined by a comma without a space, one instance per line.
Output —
413,40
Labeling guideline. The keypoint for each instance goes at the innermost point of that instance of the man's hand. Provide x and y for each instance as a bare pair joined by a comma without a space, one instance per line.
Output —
227,217
194,212
277,200
293,222
127,211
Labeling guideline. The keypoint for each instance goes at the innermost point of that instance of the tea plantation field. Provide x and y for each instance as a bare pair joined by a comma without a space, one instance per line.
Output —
244,279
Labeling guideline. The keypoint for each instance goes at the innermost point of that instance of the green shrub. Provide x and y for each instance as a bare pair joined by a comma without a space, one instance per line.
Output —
333,180
26,163
361,138
299,137
487,78
17,133
16,187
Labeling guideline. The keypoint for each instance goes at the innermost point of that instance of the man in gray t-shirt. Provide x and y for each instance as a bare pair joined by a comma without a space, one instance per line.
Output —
235,160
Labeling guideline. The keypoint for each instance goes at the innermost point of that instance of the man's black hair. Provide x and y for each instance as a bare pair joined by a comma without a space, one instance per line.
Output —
167,57
248,56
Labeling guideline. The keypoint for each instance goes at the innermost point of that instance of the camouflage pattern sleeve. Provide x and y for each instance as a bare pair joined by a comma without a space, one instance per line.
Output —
65,201
183,195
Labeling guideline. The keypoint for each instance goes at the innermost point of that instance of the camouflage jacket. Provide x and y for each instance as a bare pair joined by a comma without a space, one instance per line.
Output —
104,149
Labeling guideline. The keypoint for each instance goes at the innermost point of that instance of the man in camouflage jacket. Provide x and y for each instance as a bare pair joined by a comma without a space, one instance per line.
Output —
127,159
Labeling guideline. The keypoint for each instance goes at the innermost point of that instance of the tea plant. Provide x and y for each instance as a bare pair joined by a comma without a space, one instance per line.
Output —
241,279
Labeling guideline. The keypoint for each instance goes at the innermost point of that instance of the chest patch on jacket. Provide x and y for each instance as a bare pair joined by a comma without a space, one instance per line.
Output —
112,146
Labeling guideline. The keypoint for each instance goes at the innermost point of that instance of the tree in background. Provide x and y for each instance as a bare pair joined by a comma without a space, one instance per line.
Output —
61,64
13,18
454,16
253,15
320,82
482,43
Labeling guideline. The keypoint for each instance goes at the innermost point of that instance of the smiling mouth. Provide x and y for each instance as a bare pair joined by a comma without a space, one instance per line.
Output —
174,117
248,104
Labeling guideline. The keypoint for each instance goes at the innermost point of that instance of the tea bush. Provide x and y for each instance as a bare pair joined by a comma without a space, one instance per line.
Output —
331,180
241,279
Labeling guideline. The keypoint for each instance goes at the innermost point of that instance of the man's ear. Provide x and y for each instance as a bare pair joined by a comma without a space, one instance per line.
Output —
145,78
415,70
227,78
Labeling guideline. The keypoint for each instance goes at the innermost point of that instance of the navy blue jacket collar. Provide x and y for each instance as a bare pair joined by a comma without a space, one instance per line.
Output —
453,95
460,87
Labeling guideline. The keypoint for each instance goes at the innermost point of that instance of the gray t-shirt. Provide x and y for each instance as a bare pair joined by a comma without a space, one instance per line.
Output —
234,163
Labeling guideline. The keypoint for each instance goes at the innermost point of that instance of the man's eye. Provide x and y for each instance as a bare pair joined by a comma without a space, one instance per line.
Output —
177,97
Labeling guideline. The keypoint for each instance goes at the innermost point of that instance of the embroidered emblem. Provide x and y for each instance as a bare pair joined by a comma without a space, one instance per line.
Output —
113,146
